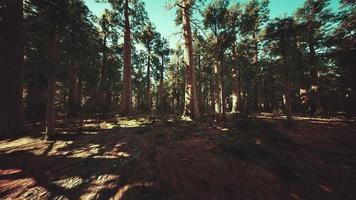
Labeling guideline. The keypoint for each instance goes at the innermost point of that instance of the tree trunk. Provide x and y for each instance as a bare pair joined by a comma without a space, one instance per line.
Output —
161,95
50,113
222,86
216,88
258,73
127,92
190,103
11,66
287,98
73,89
235,80
103,78
148,83
315,106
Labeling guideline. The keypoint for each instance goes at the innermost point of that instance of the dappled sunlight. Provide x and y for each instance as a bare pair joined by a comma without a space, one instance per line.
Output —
69,183
36,192
326,188
258,141
10,171
57,146
97,184
84,152
35,145
132,123
121,192
107,125
224,129
9,184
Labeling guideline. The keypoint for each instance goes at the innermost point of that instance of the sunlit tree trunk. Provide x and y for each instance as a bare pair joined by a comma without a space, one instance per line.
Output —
216,87
190,103
222,86
235,82
11,66
127,92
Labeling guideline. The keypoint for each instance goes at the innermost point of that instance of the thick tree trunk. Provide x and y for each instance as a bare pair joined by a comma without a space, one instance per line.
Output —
127,92
11,66
148,83
190,103
73,89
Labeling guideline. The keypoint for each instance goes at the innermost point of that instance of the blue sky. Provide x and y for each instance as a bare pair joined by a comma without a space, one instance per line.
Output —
164,20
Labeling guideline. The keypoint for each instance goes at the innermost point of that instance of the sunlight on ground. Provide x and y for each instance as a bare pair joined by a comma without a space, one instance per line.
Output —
84,152
102,182
36,146
132,123
6,185
121,192
69,183
222,128
36,192
10,171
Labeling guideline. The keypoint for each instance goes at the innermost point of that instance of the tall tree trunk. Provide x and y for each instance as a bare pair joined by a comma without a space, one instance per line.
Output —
287,98
79,91
161,92
216,88
73,89
258,74
127,92
103,78
222,86
148,83
50,112
235,81
315,106
190,103
178,90
11,66
212,92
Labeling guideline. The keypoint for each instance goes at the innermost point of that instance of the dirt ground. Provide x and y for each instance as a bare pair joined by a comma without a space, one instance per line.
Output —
163,158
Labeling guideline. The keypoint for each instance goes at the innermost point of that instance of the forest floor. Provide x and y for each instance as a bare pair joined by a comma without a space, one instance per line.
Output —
146,157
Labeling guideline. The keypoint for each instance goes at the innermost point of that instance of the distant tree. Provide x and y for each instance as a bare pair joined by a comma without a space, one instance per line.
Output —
134,17
148,38
283,30
162,50
316,16
254,17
